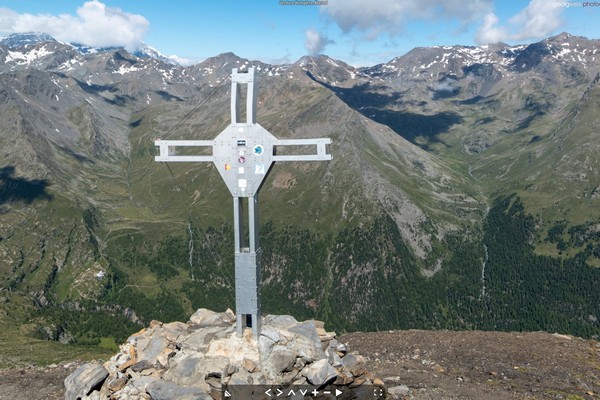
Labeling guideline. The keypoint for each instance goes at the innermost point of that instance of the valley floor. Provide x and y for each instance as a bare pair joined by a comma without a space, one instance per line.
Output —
431,364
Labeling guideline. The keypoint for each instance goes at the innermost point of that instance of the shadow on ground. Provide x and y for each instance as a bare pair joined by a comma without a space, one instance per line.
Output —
15,189
373,104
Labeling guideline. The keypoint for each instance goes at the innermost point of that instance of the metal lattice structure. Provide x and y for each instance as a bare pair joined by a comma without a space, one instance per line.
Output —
244,154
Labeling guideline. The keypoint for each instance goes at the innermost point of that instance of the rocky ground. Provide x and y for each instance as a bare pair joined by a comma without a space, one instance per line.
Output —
35,383
425,365
483,365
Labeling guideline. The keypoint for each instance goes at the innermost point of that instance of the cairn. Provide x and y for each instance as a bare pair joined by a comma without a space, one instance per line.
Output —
205,359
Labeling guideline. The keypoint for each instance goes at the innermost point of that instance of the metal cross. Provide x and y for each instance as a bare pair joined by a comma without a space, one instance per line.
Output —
243,154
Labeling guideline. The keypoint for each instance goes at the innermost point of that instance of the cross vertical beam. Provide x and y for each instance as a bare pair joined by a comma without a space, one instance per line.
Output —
247,266
238,78
244,154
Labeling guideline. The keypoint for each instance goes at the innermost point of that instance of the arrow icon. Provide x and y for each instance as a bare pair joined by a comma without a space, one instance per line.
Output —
337,392
279,392
268,392
227,394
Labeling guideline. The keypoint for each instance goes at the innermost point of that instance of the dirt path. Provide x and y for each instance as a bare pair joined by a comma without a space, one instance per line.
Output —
436,365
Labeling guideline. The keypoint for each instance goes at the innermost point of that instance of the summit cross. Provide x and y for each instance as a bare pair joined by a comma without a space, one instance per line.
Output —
244,153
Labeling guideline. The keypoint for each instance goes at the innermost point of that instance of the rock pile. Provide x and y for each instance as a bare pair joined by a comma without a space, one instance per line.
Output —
204,357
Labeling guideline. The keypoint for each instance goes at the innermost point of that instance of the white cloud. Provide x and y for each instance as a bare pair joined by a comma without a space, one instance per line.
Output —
182,60
95,25
539,19
315,42
490,32
377,17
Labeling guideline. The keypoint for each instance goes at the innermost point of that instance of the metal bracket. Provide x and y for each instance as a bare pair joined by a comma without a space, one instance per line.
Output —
168,151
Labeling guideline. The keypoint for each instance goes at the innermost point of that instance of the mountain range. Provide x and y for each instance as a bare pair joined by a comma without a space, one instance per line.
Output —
463,193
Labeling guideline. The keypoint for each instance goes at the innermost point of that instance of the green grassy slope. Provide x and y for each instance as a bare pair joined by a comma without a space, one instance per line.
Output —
389,234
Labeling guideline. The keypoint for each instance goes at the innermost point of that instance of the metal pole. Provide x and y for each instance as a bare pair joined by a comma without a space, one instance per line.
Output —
255,255
247,267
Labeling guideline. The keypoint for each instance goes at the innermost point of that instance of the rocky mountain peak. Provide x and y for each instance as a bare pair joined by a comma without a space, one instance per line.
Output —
328,71
565,48
24,41
217,68
17,40
562,37
41,54
224,58
146,51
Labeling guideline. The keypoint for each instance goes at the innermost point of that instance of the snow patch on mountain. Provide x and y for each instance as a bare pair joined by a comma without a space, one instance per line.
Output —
124,69
23,58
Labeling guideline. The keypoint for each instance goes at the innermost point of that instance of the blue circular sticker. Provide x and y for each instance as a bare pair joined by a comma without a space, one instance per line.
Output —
258,150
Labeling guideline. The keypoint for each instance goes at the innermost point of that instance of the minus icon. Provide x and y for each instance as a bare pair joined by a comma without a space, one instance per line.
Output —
326,392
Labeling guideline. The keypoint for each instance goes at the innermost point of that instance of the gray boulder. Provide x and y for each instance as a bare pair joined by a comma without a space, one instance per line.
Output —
201,338
185,369
353,362
307,343
149,348
265,346
398,392
204,317
319,373
164,390
280,321
280,360
83,380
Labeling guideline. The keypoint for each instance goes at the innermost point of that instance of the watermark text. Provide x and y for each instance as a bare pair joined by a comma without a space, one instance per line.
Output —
304,3
569,4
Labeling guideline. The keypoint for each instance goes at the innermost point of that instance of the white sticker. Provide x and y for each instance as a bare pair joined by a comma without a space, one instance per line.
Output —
242,183
259,169
241,170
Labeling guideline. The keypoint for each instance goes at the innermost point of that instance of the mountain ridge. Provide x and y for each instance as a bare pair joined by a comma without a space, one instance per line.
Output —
476,53
440,156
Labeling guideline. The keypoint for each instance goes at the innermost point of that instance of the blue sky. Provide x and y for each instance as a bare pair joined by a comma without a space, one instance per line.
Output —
360,32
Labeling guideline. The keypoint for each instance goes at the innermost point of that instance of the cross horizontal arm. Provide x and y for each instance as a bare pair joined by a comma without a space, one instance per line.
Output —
321,144
167,150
